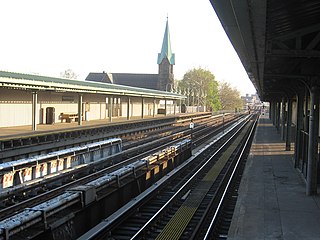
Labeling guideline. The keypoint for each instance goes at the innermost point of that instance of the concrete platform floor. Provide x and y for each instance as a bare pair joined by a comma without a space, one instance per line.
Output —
272,202
8,132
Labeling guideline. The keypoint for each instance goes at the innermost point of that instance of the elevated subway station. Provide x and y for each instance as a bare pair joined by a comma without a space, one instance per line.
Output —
278,43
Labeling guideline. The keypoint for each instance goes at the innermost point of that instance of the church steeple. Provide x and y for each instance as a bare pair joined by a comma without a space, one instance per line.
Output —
166,51
166,60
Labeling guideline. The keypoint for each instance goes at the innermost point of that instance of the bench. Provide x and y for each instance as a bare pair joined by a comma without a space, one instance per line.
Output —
68,117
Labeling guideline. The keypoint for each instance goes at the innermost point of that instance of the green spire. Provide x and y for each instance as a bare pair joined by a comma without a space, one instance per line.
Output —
166,48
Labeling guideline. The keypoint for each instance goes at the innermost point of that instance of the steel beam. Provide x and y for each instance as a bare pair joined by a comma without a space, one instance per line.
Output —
270,111
278,116
80,109
34,110
111,99
283,119
154,107
165,107
142,107
274,113
299,127
289,122
128,108
313,142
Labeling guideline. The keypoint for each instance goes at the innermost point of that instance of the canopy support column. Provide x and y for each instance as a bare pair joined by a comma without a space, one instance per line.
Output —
274,113
128,108
154,107
278,116
297,148
313,142
165,107
289,122
110,108
142,107
80,109
283,119
34,110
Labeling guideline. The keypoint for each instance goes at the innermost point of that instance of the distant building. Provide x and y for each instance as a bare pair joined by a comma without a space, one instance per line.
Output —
251,101
163,81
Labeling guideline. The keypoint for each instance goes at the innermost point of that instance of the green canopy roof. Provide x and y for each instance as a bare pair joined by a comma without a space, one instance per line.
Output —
44,83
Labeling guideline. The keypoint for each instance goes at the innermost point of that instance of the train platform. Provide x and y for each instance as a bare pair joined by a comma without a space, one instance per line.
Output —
272,201
26,130
6,132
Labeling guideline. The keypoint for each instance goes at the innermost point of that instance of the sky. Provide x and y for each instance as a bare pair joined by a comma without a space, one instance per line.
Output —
116,36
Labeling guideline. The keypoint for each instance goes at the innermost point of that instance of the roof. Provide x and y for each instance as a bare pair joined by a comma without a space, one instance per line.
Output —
98,77
166,51
149,81
278,42
45,83
140,80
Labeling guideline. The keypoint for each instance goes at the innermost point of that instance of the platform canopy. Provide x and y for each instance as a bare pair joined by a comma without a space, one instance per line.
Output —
278,42
43,83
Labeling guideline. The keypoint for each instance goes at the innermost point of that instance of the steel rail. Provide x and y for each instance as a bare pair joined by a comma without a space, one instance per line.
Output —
31,216
228,184
54,192
69,172
185,184
112,219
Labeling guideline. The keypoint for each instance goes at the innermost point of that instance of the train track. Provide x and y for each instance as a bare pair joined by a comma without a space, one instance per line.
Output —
217,219
181,205
25,197
140,144
146,137
13,148
62,210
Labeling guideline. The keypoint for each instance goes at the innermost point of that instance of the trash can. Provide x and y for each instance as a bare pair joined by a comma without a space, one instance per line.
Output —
50,115
183,108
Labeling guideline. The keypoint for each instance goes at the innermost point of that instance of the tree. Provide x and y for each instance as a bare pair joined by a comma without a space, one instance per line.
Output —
229,97
199,85
69,73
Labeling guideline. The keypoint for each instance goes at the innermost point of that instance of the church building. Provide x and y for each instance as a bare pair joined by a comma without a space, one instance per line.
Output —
163,81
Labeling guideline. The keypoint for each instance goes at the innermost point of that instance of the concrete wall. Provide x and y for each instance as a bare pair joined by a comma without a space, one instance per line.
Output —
15,114
15,108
